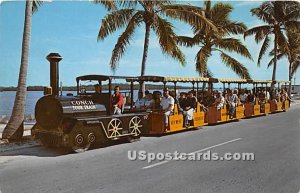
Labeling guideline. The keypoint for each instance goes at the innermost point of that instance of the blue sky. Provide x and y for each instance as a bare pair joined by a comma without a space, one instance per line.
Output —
71,27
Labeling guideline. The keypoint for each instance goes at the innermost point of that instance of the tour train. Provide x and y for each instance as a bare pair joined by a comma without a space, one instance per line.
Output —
87,120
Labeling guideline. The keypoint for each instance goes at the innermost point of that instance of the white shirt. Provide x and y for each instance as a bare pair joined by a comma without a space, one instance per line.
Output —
165,102
220,99
233,99
268,95
148,103
139,103
243,97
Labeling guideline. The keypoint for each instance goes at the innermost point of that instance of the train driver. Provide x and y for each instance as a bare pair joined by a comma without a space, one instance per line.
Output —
167,104
117,101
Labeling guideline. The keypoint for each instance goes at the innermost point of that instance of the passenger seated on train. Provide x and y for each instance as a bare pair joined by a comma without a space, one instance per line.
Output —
97,88
200,97
273,97
140,102
232,101
250,97
182,102
172,94
262,101
149,100
155,105
117,102
208,99
243,96
284,96
267,94
219,100
167,104
189,109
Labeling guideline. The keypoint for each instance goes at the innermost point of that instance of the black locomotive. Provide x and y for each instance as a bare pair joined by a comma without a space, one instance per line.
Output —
85,120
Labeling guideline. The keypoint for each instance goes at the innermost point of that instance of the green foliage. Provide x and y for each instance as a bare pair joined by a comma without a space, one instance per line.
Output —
153,14
218,40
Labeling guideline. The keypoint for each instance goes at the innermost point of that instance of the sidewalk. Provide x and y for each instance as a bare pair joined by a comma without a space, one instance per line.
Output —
27,141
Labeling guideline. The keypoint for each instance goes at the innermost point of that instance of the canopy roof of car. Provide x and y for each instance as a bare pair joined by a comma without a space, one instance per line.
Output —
250,81
230,80
102,77
173,79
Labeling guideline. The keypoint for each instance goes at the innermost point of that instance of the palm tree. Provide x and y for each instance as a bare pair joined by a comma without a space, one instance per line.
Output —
152,14
292,52
278,16
15,128
219,41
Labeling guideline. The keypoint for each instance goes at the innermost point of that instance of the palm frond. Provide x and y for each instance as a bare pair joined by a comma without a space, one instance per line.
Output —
220,12
271,62
201,60
191,8
295,67
261,30
190,15
295,14
123,41
185,41
282,42
128,4
293,24
233,45
110,5
236,66
263,49
114,21
261,13
234,28
166,37
35,5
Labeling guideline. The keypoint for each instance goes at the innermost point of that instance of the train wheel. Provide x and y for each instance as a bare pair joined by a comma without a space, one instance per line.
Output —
134,125
113,128
80,145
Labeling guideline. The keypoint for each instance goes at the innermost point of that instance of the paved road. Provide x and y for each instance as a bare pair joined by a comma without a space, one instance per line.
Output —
275,140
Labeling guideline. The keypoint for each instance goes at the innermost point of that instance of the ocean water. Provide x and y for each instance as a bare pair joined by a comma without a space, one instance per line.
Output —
7,101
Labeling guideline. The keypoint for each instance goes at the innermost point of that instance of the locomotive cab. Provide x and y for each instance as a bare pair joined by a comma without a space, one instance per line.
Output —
85,120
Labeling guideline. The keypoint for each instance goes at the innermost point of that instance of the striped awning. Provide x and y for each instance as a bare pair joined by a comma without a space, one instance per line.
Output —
174,79
229,80
262,81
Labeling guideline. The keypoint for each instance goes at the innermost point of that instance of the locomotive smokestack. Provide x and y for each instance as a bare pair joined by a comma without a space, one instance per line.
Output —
54,59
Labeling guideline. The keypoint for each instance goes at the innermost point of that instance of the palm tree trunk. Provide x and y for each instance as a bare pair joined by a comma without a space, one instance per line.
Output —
145,54
275,63
14,129
290,79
